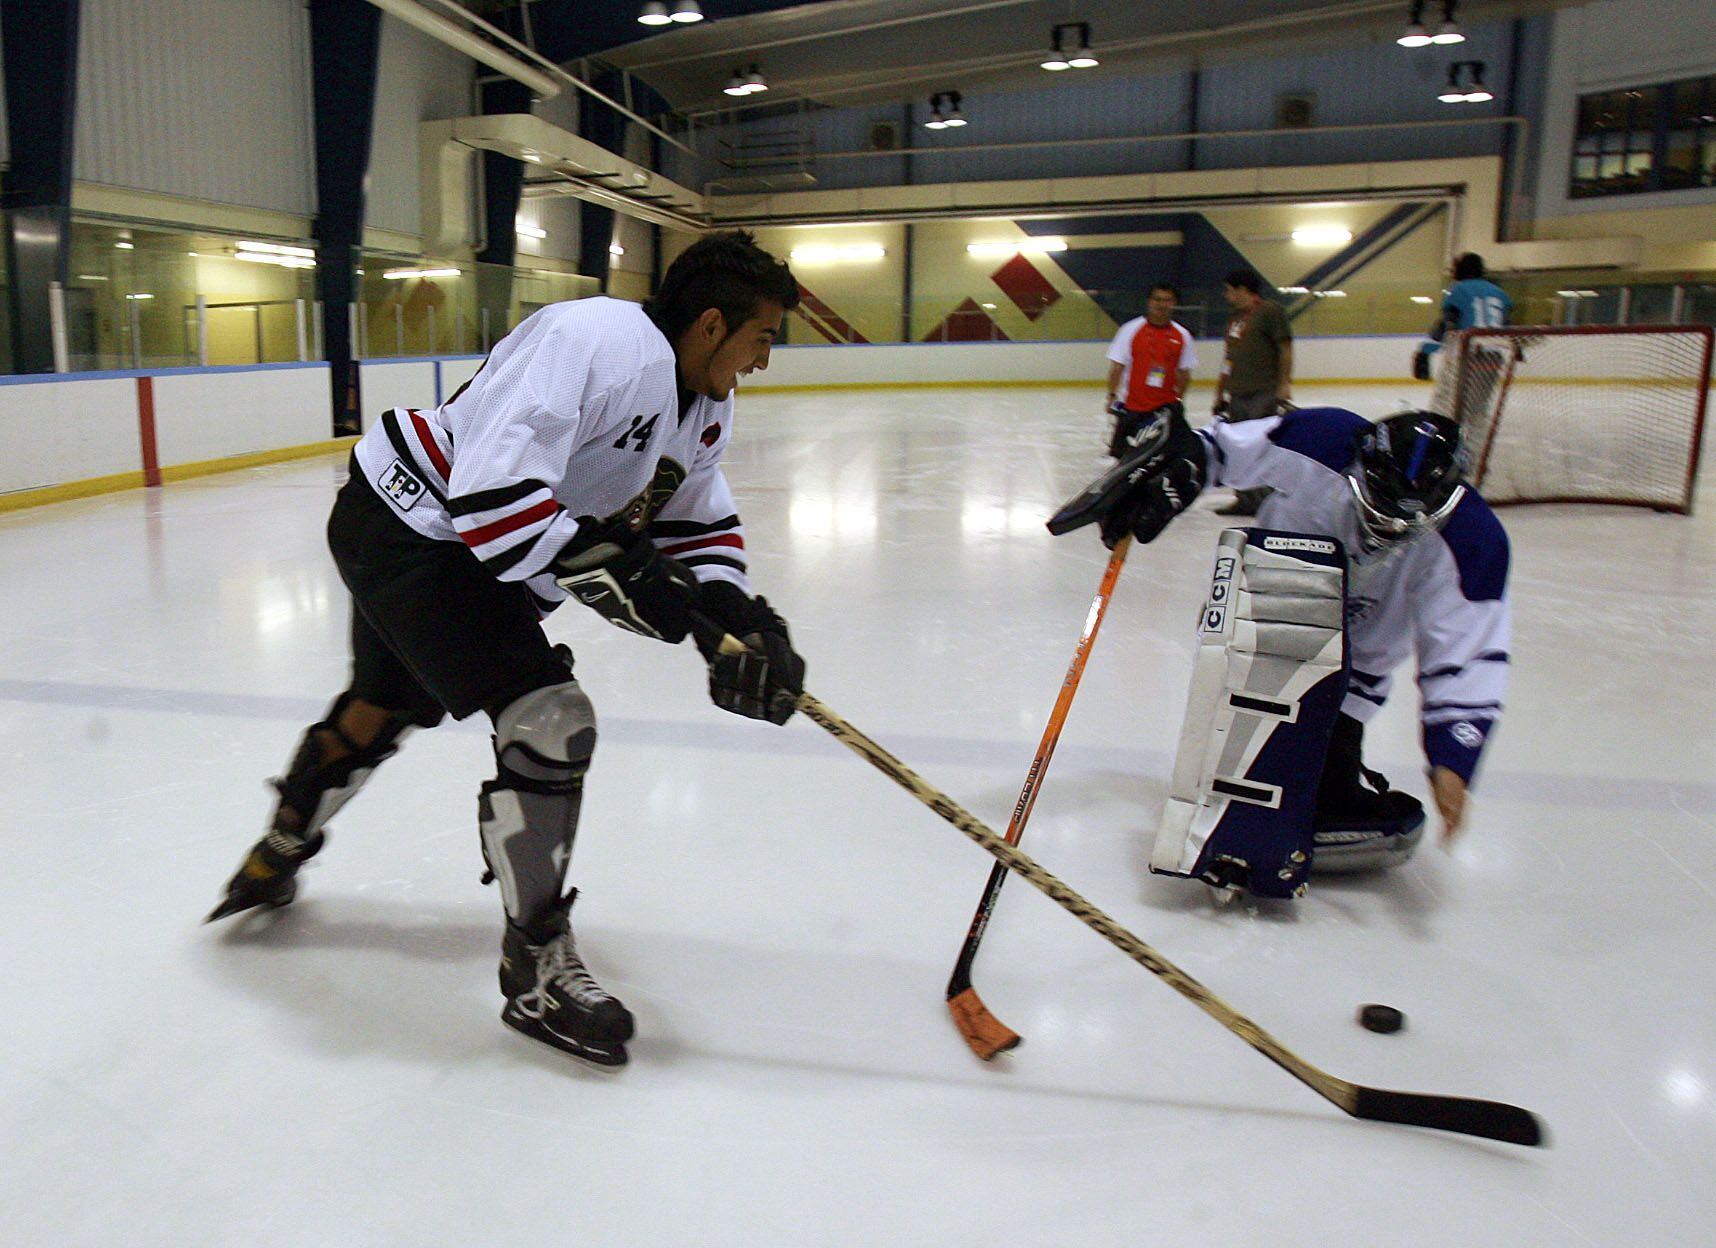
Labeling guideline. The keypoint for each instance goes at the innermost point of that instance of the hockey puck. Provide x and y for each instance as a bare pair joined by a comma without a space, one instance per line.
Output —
1383,1018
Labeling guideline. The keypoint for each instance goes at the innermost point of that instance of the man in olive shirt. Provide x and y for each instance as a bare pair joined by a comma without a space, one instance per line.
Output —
1257,375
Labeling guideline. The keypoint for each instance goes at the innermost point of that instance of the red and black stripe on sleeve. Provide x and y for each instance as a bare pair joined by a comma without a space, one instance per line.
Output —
695,542
502,525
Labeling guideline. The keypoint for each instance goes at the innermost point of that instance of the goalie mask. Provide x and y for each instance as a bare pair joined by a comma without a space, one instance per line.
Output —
1406,479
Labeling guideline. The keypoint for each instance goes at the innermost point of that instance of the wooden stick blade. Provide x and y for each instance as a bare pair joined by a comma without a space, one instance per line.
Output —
986,1034
1490,1119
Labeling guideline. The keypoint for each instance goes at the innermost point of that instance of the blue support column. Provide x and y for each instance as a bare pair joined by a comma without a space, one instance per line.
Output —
503,184
345,37
605,128
40,62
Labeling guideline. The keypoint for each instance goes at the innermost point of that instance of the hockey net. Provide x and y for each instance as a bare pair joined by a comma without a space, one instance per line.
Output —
1596,414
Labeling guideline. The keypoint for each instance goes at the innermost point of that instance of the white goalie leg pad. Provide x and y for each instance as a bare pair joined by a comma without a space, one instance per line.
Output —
1266,686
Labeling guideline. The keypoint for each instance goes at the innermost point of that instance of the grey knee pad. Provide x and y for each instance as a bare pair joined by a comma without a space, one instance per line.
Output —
528,814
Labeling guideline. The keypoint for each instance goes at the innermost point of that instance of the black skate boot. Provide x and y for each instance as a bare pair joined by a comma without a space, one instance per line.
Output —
269,874
1360,824
552,997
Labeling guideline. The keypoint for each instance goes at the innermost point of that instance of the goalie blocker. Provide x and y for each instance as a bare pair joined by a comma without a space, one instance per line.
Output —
1267,685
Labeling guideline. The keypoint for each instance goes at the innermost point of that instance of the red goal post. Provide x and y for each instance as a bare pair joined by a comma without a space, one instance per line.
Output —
1581,414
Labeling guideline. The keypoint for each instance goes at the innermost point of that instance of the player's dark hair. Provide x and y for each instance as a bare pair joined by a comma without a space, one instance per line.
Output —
1245,279
1167,286
1468,266
725,270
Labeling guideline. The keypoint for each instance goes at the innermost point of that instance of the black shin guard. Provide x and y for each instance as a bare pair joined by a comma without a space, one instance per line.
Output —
312,790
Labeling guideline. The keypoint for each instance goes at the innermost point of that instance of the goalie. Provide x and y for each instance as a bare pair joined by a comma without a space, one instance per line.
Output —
1371,526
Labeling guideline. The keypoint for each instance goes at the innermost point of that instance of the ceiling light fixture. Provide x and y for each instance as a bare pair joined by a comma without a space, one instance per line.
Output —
1415,35
1479,93
277,249
1037,244
1473,93
837,253
944,111
1449,31
1064,53
1322,236
1453,92
273,257
526,230
745,83
400,275
654,14
687,11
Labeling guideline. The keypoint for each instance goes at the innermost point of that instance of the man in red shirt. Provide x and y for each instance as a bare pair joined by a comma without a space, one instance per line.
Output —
1150,365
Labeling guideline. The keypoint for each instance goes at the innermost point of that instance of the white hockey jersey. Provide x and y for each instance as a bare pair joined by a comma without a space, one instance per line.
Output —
1443,595
574,415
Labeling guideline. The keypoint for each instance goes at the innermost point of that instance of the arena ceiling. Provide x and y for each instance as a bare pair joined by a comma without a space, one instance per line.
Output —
843,52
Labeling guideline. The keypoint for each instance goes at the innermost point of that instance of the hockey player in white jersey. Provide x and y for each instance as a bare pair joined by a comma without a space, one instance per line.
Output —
1426,564
582,460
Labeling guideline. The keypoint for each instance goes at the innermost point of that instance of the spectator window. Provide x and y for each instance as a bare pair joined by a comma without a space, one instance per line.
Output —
1655,138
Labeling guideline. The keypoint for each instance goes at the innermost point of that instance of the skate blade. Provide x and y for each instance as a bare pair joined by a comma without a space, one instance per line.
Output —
230,906
608,1056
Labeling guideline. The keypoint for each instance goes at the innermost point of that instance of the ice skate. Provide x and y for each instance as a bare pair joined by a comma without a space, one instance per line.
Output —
1366,827
552,997
269,874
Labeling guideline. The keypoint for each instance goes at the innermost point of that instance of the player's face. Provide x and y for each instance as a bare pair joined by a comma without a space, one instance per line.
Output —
1160,307
732,355
1238,297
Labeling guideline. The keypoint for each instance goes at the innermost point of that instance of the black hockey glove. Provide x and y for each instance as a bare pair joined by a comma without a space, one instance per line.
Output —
765,680
1164,498
1132,429
1151,485
1421,366
623,577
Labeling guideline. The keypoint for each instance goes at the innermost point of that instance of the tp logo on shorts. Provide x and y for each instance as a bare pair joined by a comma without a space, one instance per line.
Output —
401,485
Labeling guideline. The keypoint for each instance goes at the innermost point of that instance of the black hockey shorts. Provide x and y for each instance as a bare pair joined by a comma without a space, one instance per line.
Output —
433,632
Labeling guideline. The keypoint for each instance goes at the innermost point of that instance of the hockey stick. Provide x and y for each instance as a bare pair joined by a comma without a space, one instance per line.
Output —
1488,1119
986,1034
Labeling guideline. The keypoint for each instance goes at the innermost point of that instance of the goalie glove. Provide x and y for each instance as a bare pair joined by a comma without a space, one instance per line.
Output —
1156,503
763,681
1133,428
1149,487
622,576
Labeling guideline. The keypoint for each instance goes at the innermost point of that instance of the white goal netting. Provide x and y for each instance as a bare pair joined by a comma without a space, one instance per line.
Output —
1601,414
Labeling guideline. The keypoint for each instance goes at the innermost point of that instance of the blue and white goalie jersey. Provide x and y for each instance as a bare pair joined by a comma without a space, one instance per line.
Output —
576,413
1443,595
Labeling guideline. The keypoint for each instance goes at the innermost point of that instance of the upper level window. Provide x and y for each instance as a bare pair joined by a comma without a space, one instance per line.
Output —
1656,138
